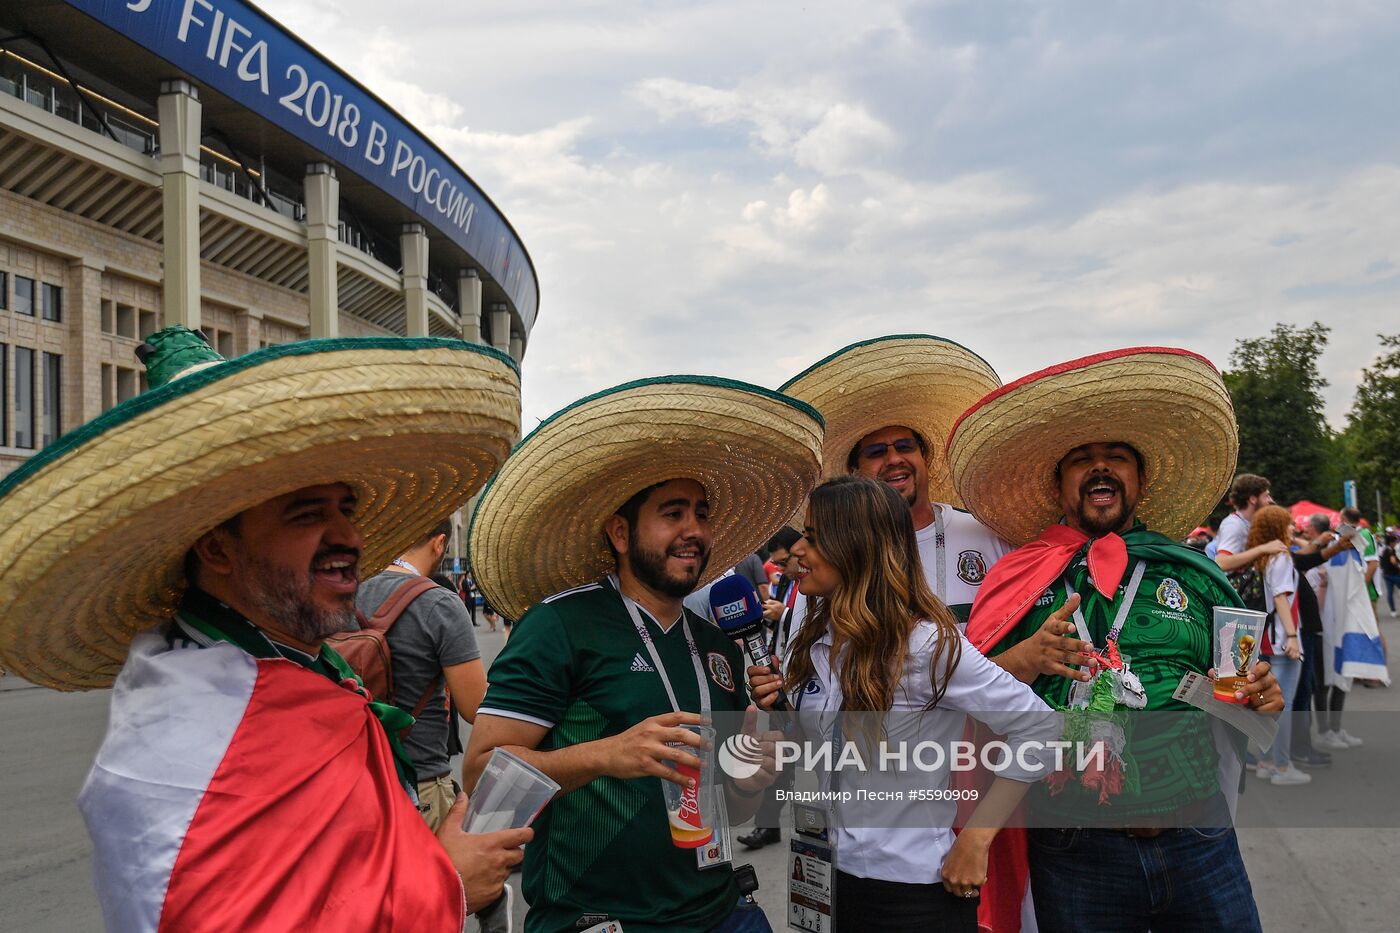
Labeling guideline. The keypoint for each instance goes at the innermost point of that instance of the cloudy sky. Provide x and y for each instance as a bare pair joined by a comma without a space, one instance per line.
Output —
738,189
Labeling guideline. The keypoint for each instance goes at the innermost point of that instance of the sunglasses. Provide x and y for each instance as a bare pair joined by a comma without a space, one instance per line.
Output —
905,445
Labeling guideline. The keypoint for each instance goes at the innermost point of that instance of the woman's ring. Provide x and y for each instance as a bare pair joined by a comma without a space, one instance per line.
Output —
970,892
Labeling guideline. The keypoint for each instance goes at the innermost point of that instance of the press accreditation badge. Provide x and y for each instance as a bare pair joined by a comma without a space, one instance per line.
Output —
607,926
811,871
719,850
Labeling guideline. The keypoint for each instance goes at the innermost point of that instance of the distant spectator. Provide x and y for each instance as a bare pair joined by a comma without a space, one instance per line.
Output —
778,547
1248,494
1390,568
1199,538
1281,645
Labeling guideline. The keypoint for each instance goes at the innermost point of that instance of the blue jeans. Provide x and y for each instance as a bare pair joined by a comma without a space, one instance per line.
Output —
1105,881
747,918
1392,583
1288,672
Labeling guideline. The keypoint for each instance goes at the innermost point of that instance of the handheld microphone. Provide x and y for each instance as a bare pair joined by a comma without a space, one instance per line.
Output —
735,608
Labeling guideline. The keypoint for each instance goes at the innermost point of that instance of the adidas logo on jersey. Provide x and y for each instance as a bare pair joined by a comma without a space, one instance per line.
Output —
640,663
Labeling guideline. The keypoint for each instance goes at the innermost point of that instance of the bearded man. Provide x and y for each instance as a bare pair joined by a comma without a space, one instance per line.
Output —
1098,467
246,774
604,519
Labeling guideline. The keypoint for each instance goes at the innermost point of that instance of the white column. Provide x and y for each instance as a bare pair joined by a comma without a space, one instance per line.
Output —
179,111
469,304
321,191
500,326
517,347
413,247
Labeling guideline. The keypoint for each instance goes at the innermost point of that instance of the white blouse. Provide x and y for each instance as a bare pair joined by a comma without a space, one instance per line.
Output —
907,840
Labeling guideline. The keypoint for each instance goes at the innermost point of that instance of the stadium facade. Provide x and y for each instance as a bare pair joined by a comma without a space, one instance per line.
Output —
193,162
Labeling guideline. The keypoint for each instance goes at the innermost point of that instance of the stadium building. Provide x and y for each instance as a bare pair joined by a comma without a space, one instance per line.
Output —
193,162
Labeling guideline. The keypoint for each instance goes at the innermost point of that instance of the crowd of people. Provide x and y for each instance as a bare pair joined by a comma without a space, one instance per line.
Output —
983,559
1315,576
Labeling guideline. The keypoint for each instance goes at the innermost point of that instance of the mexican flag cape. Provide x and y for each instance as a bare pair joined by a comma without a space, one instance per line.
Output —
235,792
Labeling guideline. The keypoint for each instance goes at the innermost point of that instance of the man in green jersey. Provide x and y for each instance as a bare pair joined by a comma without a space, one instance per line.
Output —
1078,462
605,518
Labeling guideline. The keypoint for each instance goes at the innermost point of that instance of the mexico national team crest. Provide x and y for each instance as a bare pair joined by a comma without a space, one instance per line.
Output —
972,569
720,670
1171,595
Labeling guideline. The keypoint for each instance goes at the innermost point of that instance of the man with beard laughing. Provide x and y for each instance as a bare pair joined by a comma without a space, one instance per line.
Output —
247,780
592,533
1097,468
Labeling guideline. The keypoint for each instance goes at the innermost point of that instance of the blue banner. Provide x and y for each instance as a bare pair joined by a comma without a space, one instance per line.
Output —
237,50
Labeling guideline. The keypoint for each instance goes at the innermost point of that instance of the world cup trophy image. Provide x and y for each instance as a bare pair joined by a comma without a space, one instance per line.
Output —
1245,647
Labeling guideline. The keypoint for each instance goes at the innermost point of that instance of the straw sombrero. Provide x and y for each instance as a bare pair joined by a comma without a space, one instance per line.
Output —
538,527
913,380
94,529
1170,404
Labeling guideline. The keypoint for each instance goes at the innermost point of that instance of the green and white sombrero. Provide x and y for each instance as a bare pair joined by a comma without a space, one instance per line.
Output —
1170,404
538,527
94,530
913,380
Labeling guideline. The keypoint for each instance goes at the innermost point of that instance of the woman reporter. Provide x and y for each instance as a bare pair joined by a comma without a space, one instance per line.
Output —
878,641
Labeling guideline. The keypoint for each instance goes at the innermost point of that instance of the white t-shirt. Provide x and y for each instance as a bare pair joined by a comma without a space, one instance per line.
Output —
970,549
1281,579
907,841
1234,535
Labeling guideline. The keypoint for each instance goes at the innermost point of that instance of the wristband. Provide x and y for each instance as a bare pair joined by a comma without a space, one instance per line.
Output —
1293,635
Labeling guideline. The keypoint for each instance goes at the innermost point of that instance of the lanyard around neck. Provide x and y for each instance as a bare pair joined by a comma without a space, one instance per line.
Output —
939,542
635,612
1129,595
405,565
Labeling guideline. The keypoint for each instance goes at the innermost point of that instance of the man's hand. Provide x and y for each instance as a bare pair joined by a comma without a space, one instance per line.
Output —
642,750
484,860
1049,651
768,749
772,610
1261,690
764,685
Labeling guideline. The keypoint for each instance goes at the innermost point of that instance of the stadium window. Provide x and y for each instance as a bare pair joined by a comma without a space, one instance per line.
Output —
126,383
24,295
53,397
109,316
148,324
53,302
126,321
24,398
107,400
4,295
4,395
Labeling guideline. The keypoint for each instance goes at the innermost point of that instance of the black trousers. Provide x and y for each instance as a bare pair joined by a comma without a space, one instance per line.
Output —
866,904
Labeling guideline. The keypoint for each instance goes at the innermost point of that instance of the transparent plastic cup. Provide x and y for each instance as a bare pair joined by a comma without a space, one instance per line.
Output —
509,794
1235,648
690,810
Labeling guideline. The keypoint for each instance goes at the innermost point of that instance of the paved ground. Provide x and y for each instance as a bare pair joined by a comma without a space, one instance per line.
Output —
1304,879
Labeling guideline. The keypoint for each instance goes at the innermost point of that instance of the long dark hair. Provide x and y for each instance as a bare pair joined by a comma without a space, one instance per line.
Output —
862,527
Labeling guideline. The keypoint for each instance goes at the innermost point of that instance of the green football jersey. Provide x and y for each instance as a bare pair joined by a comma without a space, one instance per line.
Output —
1166,635
576,665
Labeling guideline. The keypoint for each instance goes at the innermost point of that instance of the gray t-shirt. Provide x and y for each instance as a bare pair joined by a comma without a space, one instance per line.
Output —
434,632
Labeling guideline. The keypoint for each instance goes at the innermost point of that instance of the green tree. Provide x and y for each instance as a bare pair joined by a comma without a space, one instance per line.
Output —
1373,429
1277,391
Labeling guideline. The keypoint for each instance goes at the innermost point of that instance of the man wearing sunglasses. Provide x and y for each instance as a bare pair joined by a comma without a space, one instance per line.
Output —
889,405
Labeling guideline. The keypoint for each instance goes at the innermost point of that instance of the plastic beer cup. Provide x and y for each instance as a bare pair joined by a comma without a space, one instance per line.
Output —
509,794
689,809
1235,647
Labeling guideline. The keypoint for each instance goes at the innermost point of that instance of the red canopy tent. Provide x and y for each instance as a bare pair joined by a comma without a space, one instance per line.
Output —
1304,510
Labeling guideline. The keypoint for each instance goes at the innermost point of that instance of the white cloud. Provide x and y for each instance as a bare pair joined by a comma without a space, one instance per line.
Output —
738,189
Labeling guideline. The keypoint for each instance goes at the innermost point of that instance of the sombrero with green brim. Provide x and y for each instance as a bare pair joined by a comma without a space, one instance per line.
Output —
909,380
1170,404
538,527
94,530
